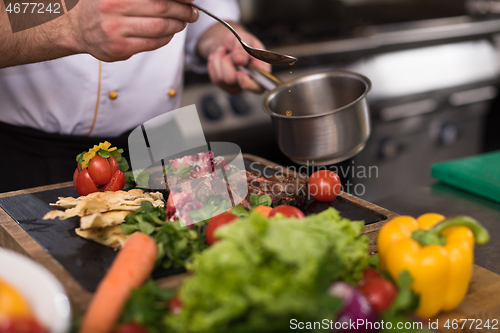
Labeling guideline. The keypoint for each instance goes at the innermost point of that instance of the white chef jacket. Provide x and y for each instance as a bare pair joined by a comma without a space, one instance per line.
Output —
80,95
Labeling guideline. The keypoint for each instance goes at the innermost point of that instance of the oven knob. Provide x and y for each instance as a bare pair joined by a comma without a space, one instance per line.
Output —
239,104
448,134
211,108
388,149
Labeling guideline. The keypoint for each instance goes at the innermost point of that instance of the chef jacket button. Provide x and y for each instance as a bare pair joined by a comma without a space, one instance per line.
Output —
172,93
113,95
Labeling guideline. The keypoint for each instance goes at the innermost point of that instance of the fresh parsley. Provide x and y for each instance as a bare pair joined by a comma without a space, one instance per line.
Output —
183,171
145,219
141,181
104,153
240,211
122,162
147,306
263,200
407,300
213,207
254,200
176,243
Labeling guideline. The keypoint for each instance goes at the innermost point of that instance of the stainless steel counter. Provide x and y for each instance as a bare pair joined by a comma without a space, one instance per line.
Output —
440,198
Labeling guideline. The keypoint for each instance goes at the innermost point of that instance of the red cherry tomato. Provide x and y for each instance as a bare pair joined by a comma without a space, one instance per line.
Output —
113,164
324,185
288,211
21,325
380,293
84,183
215,223
100,170
368,275
75,176
116,183
175,305
131,327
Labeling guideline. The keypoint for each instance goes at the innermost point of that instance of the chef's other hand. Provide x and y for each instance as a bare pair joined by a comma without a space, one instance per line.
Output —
222,64
113,30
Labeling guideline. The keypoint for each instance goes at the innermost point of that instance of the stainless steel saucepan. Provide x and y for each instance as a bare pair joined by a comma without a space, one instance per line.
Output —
321,118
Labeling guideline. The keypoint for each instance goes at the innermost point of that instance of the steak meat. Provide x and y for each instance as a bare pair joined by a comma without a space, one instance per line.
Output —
205,180
283,189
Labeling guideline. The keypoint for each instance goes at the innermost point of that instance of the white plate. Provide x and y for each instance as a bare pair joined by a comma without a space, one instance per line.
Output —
42,290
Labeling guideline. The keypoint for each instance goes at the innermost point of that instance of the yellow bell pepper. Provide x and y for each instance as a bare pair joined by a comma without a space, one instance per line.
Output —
438,254
12,303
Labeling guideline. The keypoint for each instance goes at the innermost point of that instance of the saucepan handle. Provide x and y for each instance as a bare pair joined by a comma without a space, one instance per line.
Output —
265,79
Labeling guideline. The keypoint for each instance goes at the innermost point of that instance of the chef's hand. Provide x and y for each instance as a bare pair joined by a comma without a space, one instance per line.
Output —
224,53
117,29
222,64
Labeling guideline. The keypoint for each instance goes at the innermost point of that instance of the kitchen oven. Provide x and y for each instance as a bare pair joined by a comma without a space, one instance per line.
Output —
434,66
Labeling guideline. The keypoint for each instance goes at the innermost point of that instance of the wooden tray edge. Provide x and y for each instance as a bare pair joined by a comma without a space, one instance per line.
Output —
36,189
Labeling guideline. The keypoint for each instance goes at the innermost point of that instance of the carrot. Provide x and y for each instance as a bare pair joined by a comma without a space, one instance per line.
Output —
263,210
131,267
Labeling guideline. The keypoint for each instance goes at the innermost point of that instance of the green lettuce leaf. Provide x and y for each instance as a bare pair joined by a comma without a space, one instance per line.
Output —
264,272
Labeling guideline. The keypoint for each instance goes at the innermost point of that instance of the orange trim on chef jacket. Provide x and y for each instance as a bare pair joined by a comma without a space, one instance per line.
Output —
97,102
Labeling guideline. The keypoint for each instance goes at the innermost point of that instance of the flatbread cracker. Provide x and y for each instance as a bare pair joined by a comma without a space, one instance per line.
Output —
102,213
110,236
131,197
54,214
101,220
101,202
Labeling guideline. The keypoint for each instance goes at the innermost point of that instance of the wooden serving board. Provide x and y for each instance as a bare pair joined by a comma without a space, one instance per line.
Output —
480,303
88,261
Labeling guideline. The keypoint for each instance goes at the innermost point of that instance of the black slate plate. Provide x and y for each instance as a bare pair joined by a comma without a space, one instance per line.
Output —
85,260
88,261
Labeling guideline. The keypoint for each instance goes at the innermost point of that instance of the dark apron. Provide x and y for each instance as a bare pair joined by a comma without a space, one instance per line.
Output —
32,158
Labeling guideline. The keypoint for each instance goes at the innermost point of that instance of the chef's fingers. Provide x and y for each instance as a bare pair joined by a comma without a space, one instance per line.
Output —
241,57
228,70
214,65
157,8
153,27
135,45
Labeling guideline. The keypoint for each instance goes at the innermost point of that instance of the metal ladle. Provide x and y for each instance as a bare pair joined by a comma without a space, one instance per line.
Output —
272,58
